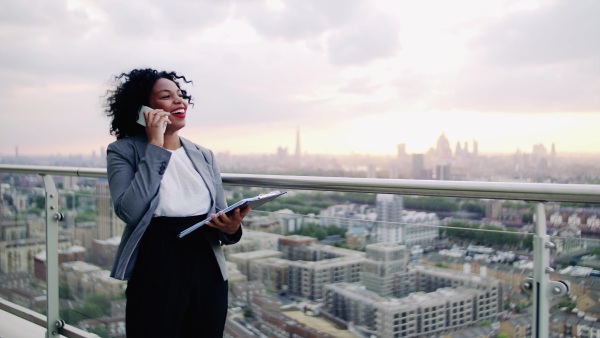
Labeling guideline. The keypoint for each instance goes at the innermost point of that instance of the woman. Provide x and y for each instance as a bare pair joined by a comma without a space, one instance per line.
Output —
161,184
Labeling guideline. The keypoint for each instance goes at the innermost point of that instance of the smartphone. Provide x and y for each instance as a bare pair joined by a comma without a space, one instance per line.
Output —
142,119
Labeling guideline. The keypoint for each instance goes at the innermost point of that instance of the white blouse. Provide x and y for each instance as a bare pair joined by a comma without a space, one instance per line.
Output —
182,190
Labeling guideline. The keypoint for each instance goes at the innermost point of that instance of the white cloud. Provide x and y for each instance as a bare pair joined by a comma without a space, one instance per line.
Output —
267,65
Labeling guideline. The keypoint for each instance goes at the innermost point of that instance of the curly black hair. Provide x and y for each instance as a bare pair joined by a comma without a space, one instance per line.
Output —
132,90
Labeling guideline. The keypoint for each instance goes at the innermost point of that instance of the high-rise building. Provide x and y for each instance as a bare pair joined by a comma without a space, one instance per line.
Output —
458,151
298,153
539,151
389,207
396,225
442,172
418,167
401,149
394,172
385,264
403,163
444,153
371,171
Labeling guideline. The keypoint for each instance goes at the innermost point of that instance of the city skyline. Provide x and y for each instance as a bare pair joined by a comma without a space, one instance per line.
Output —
294,150
354,76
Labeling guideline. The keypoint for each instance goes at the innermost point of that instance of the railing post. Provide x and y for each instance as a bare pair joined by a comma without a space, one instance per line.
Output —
541,258
53,322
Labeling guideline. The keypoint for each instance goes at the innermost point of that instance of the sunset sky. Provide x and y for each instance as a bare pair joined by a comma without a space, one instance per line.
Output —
354,76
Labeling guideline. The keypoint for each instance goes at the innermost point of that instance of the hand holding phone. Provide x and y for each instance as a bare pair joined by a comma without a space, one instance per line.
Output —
142,118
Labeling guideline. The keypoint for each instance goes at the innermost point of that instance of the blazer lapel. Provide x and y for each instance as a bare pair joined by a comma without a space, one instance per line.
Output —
201,165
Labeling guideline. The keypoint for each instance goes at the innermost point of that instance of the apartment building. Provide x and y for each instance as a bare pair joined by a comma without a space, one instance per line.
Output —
385,270
244,260
85,279
437,300
18,255
308,279
434,313
252,241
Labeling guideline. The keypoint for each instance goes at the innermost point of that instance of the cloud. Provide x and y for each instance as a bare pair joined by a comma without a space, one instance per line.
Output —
299,20
542,60
173,20
360,86
361,44
557,32
295,63
354,33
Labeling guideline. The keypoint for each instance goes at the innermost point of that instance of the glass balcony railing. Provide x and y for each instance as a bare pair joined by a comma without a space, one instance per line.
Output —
337,257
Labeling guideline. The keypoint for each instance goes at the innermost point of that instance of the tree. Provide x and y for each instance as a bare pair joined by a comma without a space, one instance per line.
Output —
64,291
431,204
40,202
101,331
496,236
101,301
95,306
313,230
88,215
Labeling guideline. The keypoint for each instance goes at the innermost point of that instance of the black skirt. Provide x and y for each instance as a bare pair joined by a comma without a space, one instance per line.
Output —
176,289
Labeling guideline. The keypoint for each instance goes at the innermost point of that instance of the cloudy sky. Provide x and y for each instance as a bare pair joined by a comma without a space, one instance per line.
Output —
354,76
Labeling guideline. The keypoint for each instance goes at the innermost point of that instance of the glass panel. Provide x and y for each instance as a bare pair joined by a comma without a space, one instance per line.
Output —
333,252
326,258
575,230
23,241
86,291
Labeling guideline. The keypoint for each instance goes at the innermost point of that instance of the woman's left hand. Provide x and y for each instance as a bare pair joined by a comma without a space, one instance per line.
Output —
228,224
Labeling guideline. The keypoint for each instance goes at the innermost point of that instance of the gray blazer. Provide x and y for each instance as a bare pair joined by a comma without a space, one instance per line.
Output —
135,169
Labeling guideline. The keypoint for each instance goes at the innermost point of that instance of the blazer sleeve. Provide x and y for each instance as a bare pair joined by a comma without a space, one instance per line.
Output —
221,202
132,186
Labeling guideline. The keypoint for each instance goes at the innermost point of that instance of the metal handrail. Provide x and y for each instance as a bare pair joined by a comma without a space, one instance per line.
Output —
538,192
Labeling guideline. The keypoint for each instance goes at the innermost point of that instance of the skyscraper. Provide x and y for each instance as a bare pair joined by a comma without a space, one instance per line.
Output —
401,147
442,172
384,263
298,153
444,153
389,207
418,167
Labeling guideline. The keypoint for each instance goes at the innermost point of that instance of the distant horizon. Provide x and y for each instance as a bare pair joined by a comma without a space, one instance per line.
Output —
257,143
304,153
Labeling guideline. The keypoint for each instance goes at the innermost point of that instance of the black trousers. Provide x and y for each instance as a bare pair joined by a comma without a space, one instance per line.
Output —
176,289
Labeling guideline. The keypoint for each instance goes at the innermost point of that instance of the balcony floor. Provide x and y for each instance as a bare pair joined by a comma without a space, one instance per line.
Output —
12,326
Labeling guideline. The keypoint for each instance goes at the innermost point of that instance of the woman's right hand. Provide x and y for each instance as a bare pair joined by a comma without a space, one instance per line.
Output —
155,126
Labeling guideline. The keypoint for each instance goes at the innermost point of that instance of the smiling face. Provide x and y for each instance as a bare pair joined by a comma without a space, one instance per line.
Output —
167,96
